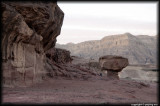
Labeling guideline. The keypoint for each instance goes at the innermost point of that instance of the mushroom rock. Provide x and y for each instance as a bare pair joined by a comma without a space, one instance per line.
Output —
29,29
113,64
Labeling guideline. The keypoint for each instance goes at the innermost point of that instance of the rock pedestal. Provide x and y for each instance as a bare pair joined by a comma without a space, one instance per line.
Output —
112,74
113,64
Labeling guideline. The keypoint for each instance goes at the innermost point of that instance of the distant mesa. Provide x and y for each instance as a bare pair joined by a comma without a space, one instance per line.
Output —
137,49
127,33
70,43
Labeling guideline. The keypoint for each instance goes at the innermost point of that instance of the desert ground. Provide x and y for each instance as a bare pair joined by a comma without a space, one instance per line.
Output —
131,88
92,91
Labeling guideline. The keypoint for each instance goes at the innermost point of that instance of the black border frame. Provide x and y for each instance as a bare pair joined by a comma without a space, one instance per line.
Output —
62,10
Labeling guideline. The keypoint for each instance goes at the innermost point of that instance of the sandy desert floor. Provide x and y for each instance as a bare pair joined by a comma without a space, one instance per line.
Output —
97,90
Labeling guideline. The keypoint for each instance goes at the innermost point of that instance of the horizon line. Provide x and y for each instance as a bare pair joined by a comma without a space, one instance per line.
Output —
108,36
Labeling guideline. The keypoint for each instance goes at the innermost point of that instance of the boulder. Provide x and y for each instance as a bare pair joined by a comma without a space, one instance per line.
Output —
113,64
59,64
59,55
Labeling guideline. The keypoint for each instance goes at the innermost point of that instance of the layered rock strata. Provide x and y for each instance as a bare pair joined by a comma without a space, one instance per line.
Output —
141,49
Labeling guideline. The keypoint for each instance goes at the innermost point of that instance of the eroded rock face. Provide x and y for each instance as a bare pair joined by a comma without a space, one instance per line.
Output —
59,55
29,30
113,65
59,64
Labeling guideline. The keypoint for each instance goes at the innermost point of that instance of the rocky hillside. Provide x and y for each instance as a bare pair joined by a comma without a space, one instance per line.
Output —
140,49
28,42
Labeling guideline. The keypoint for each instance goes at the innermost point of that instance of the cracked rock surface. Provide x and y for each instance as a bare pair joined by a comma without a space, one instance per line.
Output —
29,30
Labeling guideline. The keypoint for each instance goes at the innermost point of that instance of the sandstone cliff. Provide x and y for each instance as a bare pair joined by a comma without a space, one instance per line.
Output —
28,45
29,30
138,49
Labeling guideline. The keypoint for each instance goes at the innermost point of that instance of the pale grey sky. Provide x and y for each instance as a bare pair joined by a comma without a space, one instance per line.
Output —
93,20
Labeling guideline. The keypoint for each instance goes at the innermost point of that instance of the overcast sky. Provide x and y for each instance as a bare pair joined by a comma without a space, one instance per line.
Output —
85,21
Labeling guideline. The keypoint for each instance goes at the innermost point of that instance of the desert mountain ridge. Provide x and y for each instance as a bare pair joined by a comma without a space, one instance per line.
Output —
139,49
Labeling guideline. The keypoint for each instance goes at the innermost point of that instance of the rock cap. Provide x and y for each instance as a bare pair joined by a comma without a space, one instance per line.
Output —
113,62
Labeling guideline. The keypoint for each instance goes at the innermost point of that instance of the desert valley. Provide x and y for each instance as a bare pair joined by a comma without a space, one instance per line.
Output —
118,69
